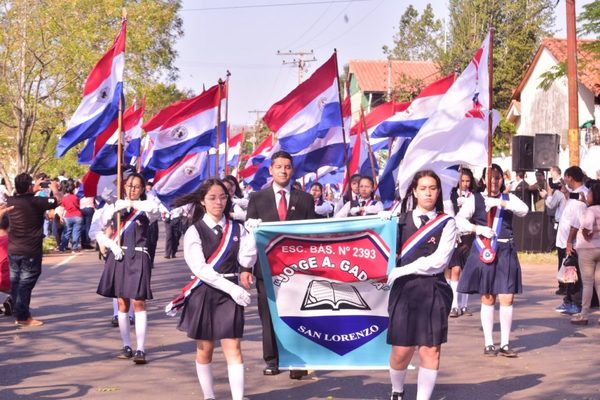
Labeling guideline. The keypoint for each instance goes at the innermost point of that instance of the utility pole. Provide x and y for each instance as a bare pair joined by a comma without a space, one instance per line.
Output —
300,63
256,124
572,85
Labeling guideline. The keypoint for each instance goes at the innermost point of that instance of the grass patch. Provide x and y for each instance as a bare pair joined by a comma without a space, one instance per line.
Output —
49,244
538,258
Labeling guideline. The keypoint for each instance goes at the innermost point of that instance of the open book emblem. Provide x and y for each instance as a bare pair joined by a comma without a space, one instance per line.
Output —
327,295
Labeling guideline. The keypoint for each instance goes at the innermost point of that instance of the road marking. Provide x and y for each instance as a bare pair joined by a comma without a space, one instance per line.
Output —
63,262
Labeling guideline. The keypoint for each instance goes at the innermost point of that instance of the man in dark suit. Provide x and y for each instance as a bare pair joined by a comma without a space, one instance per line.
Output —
278,202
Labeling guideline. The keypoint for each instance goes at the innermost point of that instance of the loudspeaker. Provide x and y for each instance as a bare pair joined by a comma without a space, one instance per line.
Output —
530,232
545,149
522,153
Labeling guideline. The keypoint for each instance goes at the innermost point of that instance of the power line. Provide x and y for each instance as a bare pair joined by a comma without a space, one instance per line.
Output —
308,3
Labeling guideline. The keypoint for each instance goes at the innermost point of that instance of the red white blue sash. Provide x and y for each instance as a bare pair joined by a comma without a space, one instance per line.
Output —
487,247
229,233
423,233
127,223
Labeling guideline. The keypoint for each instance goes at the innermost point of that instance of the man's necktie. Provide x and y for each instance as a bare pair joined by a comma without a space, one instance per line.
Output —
424,219
282,207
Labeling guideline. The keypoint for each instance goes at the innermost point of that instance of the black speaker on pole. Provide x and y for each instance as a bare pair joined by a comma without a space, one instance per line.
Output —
545,149
522,153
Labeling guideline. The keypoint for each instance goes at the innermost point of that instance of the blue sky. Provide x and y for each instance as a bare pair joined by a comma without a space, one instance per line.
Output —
244,37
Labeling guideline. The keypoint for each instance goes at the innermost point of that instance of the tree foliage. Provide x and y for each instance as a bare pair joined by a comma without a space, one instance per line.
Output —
590,25
419,37
47,49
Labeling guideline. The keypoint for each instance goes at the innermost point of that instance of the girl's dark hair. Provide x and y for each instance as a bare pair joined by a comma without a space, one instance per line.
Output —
410,197
315,183
234,182
142,180
4,222
196,197
483,181
595,189
368,178
469,173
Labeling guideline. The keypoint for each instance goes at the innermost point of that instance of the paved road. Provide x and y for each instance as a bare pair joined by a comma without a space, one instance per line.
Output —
73,355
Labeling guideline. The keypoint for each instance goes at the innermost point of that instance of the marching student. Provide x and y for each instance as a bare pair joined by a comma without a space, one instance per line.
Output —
323,207
240,203
128,266
492,268
420,297
464,190
350,194
365,203
214,248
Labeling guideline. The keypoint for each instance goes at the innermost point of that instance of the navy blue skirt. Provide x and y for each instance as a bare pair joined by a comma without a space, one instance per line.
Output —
129,278
461,252
418,308
211,314
503,276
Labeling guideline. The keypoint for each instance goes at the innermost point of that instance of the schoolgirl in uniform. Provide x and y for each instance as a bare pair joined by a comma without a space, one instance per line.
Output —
492,268
420,297
365,203
323,207
465,189
239,202
214,248
128,265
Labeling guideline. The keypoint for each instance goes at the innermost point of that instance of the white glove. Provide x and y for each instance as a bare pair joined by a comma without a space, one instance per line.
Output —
385,215
252,223
122,204
148,206
460,201
240,202
394,274
239,295
324,209
354,210
117,251
491,202
485,231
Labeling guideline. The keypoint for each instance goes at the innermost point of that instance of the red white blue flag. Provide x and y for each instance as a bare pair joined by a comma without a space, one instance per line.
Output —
99,107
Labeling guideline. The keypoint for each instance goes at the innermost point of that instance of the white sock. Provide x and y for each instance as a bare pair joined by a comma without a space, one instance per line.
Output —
506,317
141,321
463,300
235,372
397,376
115,307
124,328
487,323
205,377
454,286
425,383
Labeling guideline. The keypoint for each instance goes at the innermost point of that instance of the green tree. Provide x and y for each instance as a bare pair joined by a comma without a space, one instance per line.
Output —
419,37
590,24
47,48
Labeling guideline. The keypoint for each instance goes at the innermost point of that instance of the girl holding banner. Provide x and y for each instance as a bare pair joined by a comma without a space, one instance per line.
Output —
323,208
420,297
214,248
492,268
365,203
128,265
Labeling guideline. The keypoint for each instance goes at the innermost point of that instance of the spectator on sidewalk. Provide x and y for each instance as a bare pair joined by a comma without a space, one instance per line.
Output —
87,208
555,199
73,219
25,244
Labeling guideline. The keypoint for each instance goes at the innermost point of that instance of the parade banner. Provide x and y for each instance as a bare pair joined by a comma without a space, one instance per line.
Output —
326,287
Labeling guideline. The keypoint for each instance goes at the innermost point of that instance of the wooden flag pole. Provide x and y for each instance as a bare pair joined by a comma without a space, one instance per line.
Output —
490,122
370,151
337,74
218,144
227,133
120,154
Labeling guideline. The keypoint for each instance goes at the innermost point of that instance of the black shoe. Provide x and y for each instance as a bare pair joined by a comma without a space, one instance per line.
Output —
298,373
167,256
397,396
139,357
114,321
465,311
126,352
271,370
506,351
454,313
8,306
490,350
131,321
560,292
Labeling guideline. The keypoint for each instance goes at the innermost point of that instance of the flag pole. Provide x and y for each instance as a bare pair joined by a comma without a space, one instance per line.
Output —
218,144
239,163
138,163
337,74
369,150
120,154
490,107
227,75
